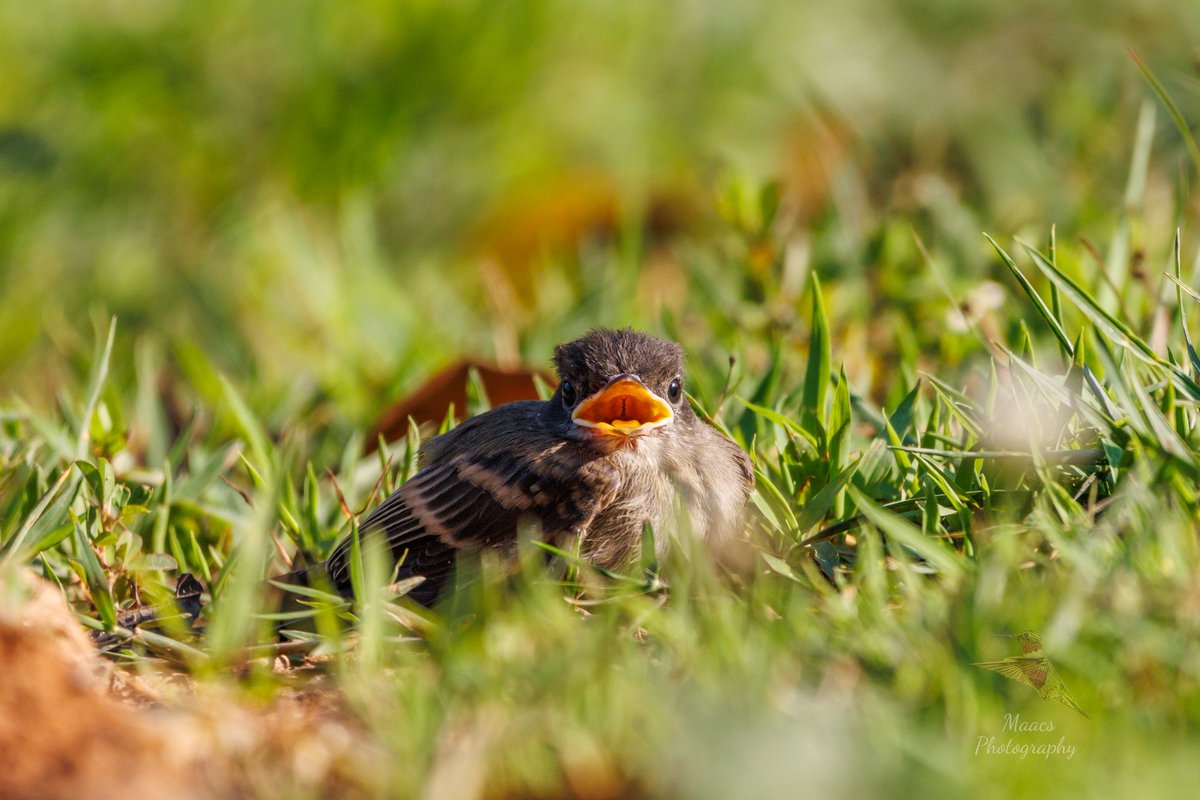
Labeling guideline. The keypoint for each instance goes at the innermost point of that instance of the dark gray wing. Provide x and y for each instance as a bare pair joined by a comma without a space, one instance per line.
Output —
480,482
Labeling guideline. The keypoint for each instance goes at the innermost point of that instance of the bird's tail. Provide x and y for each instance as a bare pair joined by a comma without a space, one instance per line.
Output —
1069,701
297,577
303,576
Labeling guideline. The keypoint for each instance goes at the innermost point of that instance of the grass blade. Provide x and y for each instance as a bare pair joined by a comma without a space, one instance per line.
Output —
1177,117
1052,319
817,373
95,386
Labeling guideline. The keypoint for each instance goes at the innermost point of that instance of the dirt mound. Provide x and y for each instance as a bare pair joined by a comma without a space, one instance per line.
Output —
62,733
65,733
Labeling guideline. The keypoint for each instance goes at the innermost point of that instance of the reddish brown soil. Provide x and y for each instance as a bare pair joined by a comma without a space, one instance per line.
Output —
68,728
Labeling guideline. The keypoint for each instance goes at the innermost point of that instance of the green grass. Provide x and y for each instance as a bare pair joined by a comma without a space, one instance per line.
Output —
237,261
1059,495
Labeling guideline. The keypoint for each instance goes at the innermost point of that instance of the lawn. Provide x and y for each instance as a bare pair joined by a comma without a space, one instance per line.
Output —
937,271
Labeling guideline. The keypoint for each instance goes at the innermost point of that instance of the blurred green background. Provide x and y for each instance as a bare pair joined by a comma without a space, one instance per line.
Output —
327,202
332,199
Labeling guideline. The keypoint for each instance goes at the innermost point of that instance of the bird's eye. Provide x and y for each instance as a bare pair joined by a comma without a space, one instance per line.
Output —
675,391
568,393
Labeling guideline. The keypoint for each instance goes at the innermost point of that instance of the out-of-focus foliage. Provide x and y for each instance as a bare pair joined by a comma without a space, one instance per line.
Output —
298,210
332,196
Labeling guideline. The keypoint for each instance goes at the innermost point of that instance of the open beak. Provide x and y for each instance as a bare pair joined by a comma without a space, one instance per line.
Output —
625,407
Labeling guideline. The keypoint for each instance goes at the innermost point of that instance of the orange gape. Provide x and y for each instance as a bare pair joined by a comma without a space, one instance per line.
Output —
623,407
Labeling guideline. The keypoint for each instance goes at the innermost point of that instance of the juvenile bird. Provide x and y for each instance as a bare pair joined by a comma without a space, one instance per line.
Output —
617,446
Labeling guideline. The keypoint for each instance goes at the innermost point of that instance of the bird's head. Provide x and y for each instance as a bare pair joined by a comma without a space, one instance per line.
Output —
618,386
1029,641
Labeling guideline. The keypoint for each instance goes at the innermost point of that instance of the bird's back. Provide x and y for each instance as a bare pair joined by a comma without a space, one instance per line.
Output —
475,491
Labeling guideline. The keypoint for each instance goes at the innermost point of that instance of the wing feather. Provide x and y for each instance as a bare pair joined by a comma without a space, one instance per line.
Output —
1029,671
475,491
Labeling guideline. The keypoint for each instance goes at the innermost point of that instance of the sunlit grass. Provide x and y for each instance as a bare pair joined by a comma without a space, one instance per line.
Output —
219,267
1057,495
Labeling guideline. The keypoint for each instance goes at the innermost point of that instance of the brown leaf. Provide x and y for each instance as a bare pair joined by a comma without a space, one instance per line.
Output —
430,402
